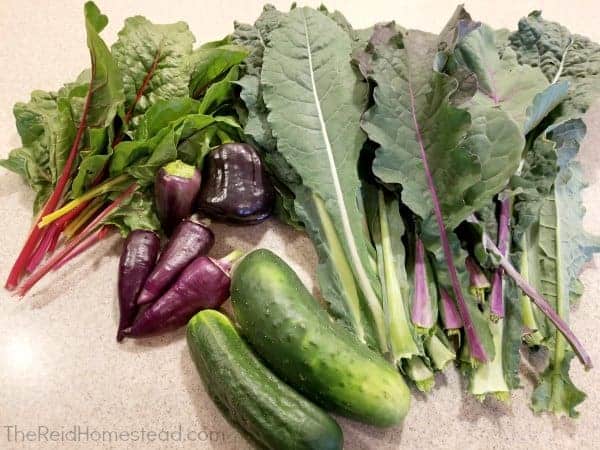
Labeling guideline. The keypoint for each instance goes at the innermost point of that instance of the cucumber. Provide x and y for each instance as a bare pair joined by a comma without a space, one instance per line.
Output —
271,413
294,335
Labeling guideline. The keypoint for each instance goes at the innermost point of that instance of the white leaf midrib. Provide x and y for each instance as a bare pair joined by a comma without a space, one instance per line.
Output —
359,270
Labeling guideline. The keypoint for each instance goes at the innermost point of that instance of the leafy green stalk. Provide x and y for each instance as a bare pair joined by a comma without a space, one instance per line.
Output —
387,235
420,374
539,301
439,350
532,335
419,130
564,248
103,98
321,139
488,378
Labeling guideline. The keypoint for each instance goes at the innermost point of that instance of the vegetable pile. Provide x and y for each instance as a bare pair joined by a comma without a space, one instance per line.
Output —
91,150
436,175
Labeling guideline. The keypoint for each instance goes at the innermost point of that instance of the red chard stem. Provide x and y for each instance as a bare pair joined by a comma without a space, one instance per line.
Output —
57,257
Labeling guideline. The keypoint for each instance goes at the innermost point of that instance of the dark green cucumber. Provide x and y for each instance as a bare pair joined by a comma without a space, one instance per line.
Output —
268,410
294,335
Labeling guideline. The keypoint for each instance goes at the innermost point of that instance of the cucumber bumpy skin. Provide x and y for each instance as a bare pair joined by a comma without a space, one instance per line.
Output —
271,413
294,335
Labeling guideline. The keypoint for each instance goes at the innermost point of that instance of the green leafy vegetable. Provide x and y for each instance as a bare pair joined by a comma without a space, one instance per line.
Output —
154,62
211,62
560,55
504,83
430,146
135,214
315,101
387,229
564,247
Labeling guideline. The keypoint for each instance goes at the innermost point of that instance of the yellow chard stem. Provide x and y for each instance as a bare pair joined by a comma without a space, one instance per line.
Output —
101,189
82,218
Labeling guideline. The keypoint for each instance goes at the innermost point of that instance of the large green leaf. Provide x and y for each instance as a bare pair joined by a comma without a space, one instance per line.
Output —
154,61
504,83
255,37
106,87
167,124
560,55
520,90
315,101
564,247
210,63
447,161
532,184
47,130
45,124
219,92
470,157
138,212
256,127
162,113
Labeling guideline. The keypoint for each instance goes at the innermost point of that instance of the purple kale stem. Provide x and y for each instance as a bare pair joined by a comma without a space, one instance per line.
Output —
450,315
421,313
539,301
497,295
477,278
475,344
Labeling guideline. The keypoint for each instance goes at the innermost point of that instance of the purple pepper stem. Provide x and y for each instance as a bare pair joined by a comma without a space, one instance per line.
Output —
226,263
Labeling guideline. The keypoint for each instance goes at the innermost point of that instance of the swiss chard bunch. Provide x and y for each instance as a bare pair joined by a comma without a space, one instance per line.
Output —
91,150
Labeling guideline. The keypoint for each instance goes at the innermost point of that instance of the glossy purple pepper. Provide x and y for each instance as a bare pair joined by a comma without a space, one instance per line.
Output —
175,190
204,284
189,240
236,186
137,260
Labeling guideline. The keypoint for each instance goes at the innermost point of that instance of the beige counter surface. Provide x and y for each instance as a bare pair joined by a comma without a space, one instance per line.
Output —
60,367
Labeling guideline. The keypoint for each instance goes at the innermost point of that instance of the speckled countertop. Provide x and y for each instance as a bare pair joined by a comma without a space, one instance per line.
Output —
61,370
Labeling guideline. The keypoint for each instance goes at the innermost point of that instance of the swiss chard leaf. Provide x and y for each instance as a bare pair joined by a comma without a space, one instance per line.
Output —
210,63
137,213
219,92
165,126
106,87
47,130
154,61
163,113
